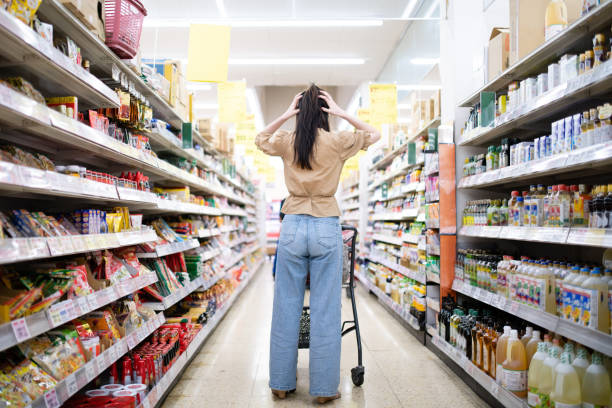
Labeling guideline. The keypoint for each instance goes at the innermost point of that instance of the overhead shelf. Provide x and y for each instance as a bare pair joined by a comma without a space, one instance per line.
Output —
393,174
574,38
589,337
70,309
545,108
396,216
351,195
388,239
405,189
410,273
170,248
53,72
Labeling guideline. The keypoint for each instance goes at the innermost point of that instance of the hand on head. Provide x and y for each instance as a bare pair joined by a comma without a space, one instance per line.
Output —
333,108
292,110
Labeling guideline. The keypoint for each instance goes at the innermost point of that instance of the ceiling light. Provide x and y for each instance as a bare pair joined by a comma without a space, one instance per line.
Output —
409,9
199,86
185,23
432,9
206,106
220,8
418,87
296,61
424,61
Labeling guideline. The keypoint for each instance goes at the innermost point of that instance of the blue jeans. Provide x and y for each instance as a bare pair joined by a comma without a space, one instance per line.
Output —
307,244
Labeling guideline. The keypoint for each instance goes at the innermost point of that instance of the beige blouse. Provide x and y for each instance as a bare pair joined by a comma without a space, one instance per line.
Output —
312,191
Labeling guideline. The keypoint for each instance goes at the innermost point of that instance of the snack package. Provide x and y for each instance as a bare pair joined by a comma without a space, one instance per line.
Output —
62,359
24,10
22,86
11,392
32,379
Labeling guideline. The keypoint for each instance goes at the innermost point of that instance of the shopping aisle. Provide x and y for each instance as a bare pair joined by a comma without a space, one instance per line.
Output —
231,370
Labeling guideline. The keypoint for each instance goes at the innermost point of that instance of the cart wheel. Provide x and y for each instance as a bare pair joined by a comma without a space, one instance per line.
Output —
357,375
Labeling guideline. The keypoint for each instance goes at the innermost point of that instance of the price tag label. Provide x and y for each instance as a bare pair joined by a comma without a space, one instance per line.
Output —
51,400
487,297
514,307
494,389
70,310
91,370
71,384
131,341
55,315
20,329
92,301
145,403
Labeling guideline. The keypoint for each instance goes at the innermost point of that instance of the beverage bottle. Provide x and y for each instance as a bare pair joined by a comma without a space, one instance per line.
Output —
555,20
500,354
595,310
515,366
479,345
569,348
528,334
520,211
547,373
534,375
526,219
493,363
569,292
503,213
548,287
608,207
566,389
532,345
558,271
474,335
584,205
596,384
490,210
553,207
546,207
609,278
601,220
580,298
486,348
564,206
512,208
581,362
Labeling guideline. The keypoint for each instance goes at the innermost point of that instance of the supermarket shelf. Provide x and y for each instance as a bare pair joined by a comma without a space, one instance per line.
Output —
228,229
355,218
177,295
252,220
239,257
572,38
238,241
251,230
433,304
102,58
25,249
388,239
433,277
170,248
392,175
173,206
594,237
589,337
588,158
206,255
60,313
501,395
389,157
411,238
405,189
157,395
233,211
352,206
409,273
396,216
596,82
58,74
96,366
351,195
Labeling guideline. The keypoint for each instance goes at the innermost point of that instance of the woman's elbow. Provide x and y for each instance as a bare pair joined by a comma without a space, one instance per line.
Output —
375,137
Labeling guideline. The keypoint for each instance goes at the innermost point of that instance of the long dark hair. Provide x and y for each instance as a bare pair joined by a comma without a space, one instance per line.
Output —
309,120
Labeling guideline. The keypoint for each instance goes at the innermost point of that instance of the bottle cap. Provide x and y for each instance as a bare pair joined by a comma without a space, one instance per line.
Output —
513,334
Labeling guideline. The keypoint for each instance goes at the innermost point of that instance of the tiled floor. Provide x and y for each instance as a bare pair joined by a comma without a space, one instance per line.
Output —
232,367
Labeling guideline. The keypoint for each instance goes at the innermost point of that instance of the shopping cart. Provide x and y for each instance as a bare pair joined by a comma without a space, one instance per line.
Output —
349,237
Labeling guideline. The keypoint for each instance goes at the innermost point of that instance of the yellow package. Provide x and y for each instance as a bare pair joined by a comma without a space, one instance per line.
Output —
24,10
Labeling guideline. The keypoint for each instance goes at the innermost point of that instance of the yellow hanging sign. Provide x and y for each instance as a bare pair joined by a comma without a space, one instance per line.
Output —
383,104
231,96
209,47
245,130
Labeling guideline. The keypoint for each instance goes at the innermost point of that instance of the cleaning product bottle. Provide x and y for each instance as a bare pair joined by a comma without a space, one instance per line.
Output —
533,376
546,377
596,384
555,20
515,366
595,311
581,362
566,391
528,334
532,345
500,355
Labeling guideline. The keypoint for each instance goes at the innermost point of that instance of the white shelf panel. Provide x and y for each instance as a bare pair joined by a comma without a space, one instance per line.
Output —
170,248
410,238
410,273
396,216
591,338
25,249
68,310
351,206
351,195
388,239
177,295
234,212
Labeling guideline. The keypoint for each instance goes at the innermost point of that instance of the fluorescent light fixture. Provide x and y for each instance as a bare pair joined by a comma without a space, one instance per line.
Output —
185,23
199,86
425,61
220,8
434,5
296,61
255,108
418,87
206,106
409,9
403,106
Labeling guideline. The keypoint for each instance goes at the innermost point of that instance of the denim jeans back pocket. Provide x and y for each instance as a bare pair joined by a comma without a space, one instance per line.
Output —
327,233
288,232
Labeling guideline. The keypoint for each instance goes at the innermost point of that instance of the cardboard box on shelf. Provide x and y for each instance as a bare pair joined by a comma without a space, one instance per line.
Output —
222,142
499,50
437,97
526,27
172,72
204,126
90,13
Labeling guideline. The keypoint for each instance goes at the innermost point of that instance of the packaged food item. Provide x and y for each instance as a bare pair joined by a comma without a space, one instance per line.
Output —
22,86
24,10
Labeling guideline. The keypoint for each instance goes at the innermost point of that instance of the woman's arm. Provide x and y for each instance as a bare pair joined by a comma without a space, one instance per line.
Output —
291,111
334,109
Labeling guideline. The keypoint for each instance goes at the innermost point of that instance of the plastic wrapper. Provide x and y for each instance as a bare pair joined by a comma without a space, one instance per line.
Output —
61,360
32,379
11,393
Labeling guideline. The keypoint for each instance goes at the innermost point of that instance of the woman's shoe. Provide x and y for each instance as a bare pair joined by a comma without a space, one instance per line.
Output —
323,400
280,394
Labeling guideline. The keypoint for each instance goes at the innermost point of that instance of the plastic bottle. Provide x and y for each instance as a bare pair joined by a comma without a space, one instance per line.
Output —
512,208
553,208
596,384
526,219
555,20
566,391
486,348
503,213
534,375
546,201
515,366
569,349
547,375
608,206
581,362
600,220
532,345
595,311
528,334
569,293
500,353
565,203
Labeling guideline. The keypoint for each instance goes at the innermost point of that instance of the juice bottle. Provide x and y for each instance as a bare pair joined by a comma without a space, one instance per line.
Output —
503,213
547,288
581,206
580,296
546,201
515,366
596,384
569,292
608,206
532,345
519,212
569,349
555,20
486,349
547,375
528,334
595,311
581,362
527,208
566,391
500,355
565,201
512,208
479,345
553,208
493,364
534,375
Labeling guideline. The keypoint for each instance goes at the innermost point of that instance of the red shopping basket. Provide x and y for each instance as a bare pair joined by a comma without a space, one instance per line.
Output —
124,26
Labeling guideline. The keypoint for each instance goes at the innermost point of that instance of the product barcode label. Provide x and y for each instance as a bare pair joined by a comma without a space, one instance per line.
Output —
91,370
83,305
20,329
51,399
71,384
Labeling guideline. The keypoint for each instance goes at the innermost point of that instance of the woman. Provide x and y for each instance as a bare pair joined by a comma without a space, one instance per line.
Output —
310,238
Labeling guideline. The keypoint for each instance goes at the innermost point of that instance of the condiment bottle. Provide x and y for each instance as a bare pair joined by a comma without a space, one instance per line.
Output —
515,366
500,355
581,362
566,389
532,345
547,375
534,375
596,384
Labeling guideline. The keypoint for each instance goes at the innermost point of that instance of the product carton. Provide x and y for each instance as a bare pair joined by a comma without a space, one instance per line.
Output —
437,100
172,72
499,50
88,12
526,27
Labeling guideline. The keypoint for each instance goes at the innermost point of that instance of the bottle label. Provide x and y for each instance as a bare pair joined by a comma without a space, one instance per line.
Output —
533,398
590,308
562,405
516,380
485,359
544,400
